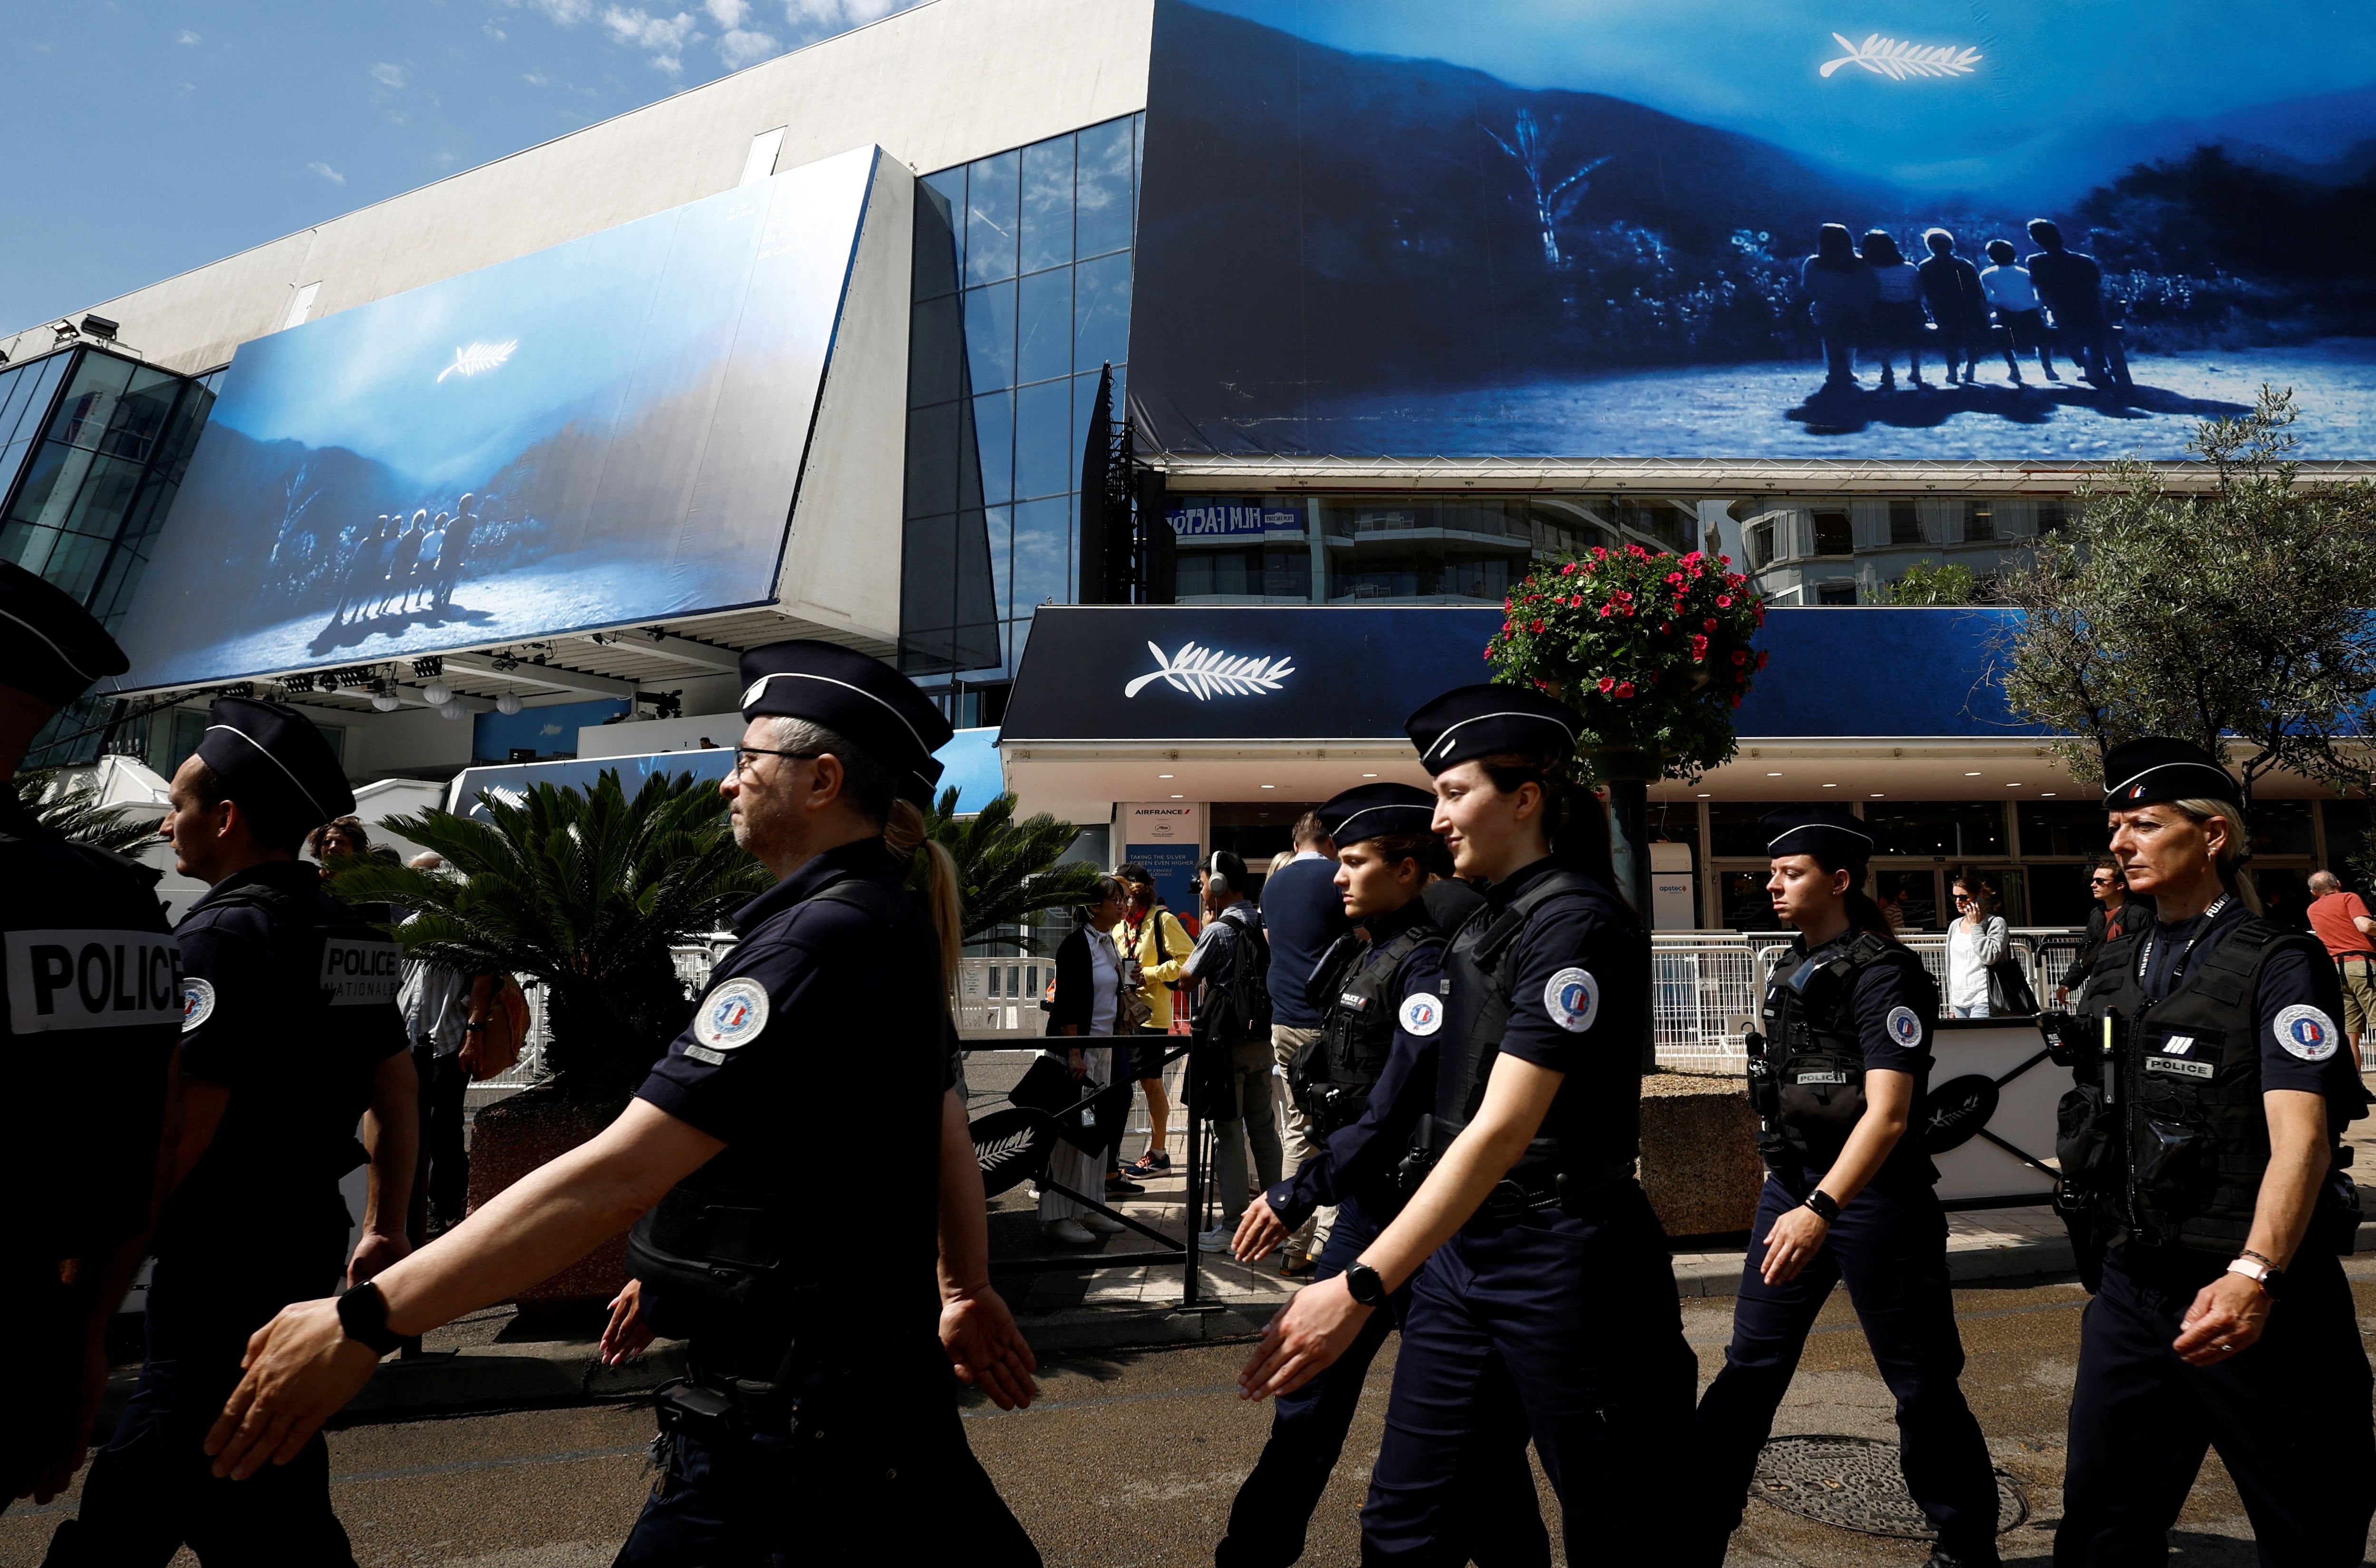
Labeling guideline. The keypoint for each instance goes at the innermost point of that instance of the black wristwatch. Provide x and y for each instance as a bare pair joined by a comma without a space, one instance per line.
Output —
362,1313
1821,1202
1366,1285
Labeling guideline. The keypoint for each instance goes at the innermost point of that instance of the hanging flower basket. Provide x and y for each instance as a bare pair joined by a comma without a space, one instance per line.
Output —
1653,649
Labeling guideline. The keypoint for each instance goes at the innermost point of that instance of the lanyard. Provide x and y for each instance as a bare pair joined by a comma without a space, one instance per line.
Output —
2178,968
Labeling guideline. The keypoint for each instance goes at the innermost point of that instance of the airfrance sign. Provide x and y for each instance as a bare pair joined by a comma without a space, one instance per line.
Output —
92,979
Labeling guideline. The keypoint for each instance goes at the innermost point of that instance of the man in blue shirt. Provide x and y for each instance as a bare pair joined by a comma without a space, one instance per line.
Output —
1304,915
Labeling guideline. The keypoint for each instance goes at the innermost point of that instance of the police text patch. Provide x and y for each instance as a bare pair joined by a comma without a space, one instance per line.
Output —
1572,997
1422,1013
197,1002
2308,1033
1904,1026
2181,1066
359,973
733,1015
92,979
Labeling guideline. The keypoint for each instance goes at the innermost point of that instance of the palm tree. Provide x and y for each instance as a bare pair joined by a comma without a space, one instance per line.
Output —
1009,870
584,890
74,810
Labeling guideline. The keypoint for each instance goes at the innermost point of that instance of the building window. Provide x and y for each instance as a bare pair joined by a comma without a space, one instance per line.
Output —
1937,828
1979,521
1834,535
2051,516
1836,593
1761,546
1905,522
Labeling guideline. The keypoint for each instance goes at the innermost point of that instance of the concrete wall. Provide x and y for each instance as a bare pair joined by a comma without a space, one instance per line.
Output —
936,86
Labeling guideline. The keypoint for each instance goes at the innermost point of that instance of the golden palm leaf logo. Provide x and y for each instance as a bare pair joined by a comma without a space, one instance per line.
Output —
470,362
1900,61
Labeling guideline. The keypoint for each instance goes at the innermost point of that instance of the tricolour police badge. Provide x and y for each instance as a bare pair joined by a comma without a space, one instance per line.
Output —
1572,999
2308,1033
197,1002
732,1016
1422,1013
1904,1026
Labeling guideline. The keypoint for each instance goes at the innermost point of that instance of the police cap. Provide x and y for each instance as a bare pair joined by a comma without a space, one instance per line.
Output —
863,700
51,648
2157,768
1474,721
274,762
1376,810
1832,832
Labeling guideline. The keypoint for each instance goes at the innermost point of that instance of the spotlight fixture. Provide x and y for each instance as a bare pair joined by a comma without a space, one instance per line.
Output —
507,704
506,661
99,326
63,332
433,665
296,682
436,694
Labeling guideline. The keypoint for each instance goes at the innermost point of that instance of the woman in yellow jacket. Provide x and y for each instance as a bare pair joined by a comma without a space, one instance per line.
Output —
1151,936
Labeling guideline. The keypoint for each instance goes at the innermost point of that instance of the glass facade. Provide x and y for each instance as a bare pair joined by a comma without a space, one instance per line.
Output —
1021,296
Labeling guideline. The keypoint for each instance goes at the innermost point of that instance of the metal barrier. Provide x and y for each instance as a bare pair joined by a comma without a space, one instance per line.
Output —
1705,997
1003,995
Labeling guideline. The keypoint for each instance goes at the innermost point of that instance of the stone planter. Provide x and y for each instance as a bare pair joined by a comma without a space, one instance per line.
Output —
1699,1153
514,1136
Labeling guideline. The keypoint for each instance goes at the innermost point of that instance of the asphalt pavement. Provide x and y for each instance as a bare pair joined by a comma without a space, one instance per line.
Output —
1130,1457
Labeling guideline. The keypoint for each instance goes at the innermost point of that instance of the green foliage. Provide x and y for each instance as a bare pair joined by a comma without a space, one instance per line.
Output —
1008,868
1927,583
585,890
2229,618
75,810
1653,649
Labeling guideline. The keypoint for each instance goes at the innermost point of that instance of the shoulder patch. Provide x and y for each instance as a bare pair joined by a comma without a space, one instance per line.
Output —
1904,1027
197,1002
2308,1033
1572,997
732,1016
1421,1015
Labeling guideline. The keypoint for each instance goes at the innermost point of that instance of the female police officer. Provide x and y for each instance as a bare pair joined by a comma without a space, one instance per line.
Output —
1848,1195
1543,1258
2223,1317
1365,1082
820,1425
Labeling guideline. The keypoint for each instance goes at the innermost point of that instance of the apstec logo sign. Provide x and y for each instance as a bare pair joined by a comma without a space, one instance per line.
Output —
1207,671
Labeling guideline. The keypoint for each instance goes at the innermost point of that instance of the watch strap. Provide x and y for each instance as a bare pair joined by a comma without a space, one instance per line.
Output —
1366,1285
1821,1202
363,1315
2253,1267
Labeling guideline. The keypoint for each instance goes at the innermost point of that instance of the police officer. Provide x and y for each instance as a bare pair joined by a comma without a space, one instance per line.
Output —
2206,1133
819,1424
1840,1068
1543,1257
1364,1082
290,1034
92,979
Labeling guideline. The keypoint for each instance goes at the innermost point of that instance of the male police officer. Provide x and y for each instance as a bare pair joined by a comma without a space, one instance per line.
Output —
1364,1080
819,1425
92,981
2208,1139
290,1033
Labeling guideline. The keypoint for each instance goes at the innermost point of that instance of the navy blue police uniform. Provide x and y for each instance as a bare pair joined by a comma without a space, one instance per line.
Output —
1561,1284
90,977
2203,1017
289,1002
1856,1005
816,1426
1366,1131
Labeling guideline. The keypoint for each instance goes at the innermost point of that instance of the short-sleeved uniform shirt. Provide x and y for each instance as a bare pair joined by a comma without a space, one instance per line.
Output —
1359,1155
2298,1003
1892,1005
819,1055
297,1046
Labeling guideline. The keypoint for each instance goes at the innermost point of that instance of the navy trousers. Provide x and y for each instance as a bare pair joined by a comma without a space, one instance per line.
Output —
149,1490
1579,1317
2289,1417
875,1469
1891,1248
1505,1528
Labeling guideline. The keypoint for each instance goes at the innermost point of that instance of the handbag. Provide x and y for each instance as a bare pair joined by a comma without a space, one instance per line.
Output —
1048,1087
499,1048
2007,981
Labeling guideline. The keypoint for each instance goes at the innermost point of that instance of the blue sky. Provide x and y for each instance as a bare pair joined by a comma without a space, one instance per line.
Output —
149,136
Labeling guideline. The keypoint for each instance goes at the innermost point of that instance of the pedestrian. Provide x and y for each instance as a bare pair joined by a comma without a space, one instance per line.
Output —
1087,996
817,1421
1897,321
1951,287
2071,284
2115,915
1232,1058
2223,1318
1543,1263
2021,314
1151,937
1303,916
87,1062
2342,923
446,1010
1839,289
1975,942
1364,1078
1846,1048
290,1034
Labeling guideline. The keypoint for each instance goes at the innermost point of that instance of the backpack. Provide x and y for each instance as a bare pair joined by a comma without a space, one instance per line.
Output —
1239,1008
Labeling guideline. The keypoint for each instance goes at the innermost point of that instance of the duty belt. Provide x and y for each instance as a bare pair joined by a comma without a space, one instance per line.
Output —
1525,1192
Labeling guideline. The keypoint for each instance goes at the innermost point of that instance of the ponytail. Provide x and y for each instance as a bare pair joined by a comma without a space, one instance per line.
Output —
1575,819
1862,913
904,836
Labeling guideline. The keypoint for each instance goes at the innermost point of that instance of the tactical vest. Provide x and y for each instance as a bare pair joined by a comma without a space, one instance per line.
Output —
2188,1135
1331,1077
1817,1059
1599,1111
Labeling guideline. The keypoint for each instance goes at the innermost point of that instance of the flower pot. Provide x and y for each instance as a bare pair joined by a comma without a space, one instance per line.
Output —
514,1136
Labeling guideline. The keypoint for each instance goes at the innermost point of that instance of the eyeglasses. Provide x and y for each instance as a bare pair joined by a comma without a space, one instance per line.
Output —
1963,897
2099,882
742,755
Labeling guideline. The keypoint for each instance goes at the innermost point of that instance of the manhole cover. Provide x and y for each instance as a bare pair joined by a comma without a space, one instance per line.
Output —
1855,1482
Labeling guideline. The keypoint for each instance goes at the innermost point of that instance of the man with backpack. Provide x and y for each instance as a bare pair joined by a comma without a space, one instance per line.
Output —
1232,1062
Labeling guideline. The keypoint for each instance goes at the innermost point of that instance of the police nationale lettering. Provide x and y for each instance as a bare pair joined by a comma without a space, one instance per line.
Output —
92,979
358,974
2181,1066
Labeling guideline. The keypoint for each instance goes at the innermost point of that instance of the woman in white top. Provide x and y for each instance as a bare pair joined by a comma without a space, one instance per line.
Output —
1089,995
1976,940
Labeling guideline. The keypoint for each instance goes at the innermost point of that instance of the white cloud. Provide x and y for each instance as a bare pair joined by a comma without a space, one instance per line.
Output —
568,13
492,30
328,173
533,80
663,38
186,37
742,47
388,75
728,12
820,18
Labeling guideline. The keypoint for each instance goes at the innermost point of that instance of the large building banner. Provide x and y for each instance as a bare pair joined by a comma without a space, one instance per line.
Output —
604,433
2033,230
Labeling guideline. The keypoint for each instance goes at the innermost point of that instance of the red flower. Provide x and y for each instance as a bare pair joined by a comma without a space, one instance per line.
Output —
1637,553
1723,601
1734,580
1666,628
1509,626
1624,688
1607,609
1740,655
1736,702
1607,682
1598,554
1692,559
1724,559
1761,661
1674,577
1568,570
1576,602
1708,625
1536,627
